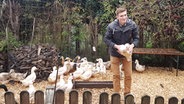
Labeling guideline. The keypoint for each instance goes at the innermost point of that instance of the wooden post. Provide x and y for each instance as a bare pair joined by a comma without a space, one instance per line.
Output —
39,97
129,99
73,97
159,100
115,98
24,97
104,98
9,98
87,97
145,99
59,97
173,100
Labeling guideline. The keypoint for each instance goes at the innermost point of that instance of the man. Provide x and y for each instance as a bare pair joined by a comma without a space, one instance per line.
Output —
121,31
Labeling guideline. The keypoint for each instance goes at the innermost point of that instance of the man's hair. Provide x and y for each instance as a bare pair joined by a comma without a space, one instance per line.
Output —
120,10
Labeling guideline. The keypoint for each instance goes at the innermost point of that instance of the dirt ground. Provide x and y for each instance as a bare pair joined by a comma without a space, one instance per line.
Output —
154,81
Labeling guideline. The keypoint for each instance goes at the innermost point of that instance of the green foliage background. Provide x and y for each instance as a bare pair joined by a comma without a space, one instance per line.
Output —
75,26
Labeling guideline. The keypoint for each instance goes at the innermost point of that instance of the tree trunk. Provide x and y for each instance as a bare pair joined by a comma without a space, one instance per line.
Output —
14,10
94,37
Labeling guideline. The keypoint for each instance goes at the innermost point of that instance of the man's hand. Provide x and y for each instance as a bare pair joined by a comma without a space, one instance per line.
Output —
130,48
118,47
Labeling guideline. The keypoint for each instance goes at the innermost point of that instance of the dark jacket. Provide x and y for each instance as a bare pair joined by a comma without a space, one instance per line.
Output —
117,34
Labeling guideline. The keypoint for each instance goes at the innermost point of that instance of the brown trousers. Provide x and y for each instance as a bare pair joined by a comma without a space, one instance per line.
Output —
127,68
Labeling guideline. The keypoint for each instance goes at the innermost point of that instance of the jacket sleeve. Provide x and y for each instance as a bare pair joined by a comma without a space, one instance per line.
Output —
135,35
108,37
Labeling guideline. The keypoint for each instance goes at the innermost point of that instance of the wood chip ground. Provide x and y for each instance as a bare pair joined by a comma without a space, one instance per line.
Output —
154,81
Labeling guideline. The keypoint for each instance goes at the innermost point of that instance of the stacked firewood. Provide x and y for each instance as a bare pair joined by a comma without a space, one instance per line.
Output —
44,57
1,61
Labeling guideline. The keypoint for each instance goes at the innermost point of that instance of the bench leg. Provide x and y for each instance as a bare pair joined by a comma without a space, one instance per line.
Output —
177,64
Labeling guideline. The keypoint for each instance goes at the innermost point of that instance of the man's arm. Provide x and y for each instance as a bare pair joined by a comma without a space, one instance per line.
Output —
108,37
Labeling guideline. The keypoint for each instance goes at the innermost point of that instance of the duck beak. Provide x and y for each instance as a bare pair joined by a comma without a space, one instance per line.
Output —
35,69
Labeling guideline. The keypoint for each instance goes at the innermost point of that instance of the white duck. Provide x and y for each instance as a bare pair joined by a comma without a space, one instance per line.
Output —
52,76
76,59
61,84
107,65
66,67
70,64
69,84
75,62
4,77
78,72
17,76
84,62
31,90
138,67
31,78
87,74
101,65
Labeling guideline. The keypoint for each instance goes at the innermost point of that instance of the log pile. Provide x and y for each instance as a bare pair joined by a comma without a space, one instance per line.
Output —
2,61
44,57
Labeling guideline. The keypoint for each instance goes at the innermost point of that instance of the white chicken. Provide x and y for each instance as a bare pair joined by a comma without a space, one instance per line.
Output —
30,79
17,76
125,51
31,90
124,47
138,67
52,76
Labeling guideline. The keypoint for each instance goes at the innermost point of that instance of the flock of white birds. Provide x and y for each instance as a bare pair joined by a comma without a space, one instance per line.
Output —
83,70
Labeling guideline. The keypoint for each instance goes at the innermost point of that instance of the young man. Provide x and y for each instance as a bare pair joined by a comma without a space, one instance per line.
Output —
121,31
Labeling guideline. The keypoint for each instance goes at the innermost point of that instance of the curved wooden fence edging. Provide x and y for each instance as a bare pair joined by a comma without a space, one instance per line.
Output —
116,98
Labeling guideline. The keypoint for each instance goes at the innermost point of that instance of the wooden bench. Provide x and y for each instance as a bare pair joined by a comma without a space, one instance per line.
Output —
161,51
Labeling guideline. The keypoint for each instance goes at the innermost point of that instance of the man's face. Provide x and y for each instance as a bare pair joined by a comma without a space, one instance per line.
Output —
122,17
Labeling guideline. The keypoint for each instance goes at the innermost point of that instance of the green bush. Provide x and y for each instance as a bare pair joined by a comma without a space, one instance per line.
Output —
10,43
181,46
